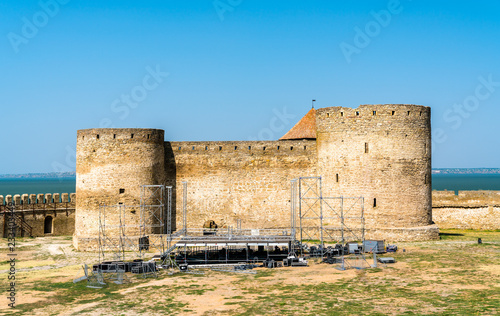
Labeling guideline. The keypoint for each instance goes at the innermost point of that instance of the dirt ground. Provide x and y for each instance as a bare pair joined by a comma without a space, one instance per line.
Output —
454,275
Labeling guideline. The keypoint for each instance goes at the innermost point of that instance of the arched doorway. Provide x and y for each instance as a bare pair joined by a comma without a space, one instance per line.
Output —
47,227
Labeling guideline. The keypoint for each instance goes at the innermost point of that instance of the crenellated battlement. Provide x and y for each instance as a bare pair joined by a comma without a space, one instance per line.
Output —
39,214
120,135
33,199
376,111
243,147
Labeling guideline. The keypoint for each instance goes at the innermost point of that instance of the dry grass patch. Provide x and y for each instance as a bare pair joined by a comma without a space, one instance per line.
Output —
453,276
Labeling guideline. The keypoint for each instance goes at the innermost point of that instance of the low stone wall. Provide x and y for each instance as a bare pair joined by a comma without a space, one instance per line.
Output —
39,214
467,209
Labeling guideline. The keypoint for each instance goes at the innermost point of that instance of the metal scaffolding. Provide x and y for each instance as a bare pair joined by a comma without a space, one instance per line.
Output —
184,205
135,230
335,219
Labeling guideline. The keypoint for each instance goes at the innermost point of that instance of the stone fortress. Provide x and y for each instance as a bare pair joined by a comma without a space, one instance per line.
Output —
380,152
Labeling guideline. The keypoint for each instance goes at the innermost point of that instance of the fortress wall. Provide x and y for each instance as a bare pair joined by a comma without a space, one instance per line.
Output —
465,198
40,201
35,209
381,152
467,210
238,180
111,166
63,222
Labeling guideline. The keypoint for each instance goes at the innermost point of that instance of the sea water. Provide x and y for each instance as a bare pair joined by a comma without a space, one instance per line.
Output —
11,186
465,182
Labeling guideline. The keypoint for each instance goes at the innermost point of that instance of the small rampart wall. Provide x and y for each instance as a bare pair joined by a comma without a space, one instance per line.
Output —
467,209
43,214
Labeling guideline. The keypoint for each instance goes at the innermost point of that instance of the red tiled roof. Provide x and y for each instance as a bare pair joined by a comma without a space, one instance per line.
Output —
304,129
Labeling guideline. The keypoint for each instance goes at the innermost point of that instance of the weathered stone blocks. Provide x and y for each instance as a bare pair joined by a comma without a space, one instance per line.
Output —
381,152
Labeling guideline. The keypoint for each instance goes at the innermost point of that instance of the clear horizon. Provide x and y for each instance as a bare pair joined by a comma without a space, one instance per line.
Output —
242,70
45,173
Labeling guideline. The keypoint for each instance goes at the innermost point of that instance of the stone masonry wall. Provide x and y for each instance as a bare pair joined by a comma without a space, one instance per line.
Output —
467,210
35,209
111,166
238,180
381,152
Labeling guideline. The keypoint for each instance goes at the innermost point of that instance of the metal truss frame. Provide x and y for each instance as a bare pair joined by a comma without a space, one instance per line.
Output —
339,219
125,237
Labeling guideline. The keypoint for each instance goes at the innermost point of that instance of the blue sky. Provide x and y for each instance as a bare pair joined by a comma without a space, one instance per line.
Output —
222,70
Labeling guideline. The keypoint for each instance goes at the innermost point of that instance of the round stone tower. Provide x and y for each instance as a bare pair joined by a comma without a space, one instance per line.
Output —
383,153
111,165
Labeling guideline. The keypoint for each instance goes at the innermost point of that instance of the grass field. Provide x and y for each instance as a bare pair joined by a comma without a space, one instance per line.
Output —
452,276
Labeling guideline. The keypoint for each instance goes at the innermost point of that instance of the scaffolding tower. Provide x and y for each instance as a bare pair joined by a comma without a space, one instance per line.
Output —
335,219
135,230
